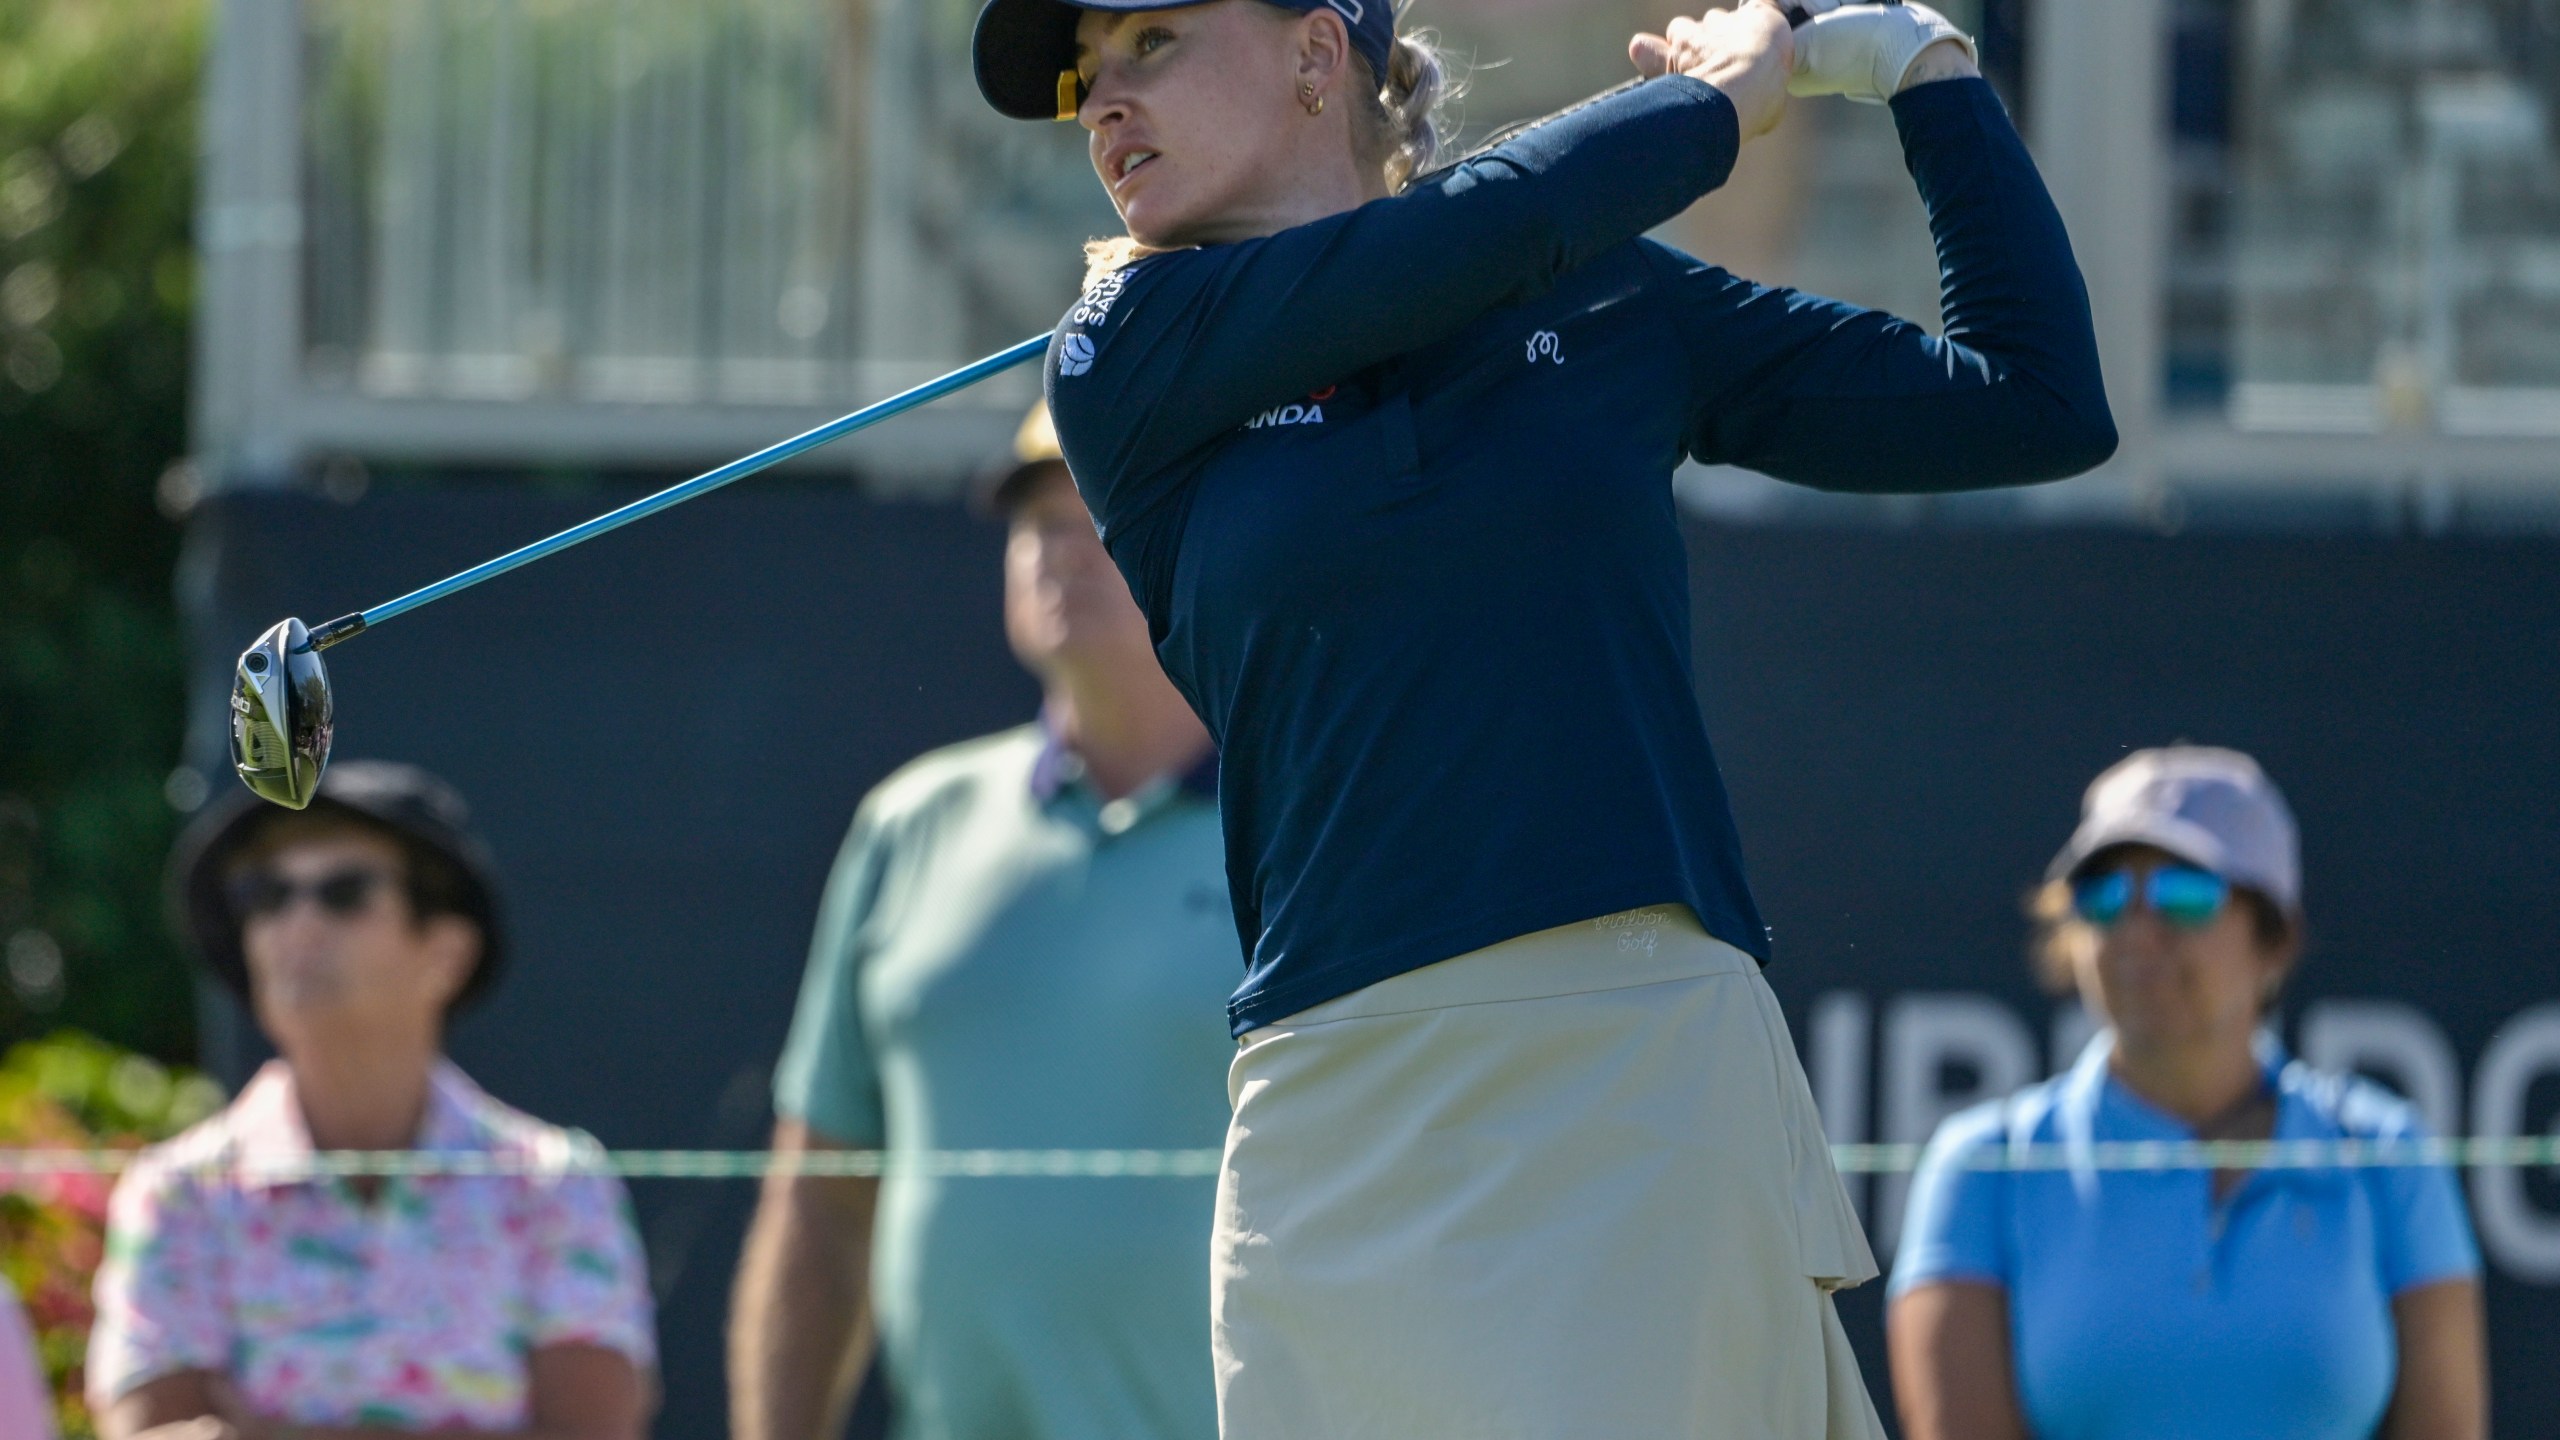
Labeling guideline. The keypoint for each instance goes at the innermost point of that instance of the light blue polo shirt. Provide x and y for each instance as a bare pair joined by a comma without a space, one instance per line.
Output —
1004,962
2138,1307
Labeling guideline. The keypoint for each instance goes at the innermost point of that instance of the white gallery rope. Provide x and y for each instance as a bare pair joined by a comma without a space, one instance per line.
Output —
2465,1152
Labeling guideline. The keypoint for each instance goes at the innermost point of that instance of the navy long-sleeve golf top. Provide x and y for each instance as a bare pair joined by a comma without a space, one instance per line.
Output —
1393,488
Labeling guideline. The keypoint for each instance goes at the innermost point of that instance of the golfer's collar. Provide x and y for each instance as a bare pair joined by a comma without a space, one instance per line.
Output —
268,1136
272,1142
2098,1106
1057,766
457,1115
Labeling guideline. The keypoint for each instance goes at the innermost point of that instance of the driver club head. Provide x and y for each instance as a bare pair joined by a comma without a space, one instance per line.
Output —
281,716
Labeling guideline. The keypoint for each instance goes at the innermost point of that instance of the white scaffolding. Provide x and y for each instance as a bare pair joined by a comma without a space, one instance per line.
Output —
655,233
599,233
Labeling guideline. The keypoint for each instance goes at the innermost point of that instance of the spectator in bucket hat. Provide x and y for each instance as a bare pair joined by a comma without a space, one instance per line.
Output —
246,1295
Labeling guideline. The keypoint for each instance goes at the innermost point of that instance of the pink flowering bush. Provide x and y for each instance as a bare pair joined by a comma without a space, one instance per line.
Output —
71,1092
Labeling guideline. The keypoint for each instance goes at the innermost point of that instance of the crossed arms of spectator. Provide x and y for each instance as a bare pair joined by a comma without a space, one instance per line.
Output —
1954,1372
580,1392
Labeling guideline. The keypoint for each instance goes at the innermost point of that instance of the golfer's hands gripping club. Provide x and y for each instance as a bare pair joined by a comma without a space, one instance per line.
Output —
1867,52
1746,52
1871,53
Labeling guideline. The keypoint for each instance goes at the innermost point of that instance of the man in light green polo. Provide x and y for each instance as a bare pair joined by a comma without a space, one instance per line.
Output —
1025,944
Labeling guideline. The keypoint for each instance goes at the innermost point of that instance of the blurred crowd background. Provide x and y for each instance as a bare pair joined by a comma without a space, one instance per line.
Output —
306,302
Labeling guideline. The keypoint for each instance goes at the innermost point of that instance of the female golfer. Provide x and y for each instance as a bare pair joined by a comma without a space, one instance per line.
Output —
1520,1146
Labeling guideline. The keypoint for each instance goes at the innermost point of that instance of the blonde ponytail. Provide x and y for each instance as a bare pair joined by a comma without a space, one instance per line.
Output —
1101,257
1400,126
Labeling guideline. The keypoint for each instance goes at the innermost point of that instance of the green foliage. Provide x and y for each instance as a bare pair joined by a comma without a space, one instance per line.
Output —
72,1092
97,154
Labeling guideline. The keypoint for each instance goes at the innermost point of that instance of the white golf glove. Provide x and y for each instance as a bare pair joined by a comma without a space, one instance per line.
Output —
1863,51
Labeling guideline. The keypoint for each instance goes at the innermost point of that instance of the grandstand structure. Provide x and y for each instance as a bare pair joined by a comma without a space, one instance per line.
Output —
526,235
529,235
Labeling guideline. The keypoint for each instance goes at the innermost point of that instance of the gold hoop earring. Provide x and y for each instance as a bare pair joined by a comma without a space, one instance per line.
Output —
1308,97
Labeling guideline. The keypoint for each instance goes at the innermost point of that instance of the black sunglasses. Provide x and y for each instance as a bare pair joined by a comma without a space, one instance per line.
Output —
340,893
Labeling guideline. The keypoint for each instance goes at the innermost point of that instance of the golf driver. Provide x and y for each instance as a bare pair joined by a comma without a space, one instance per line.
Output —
282,715
281,711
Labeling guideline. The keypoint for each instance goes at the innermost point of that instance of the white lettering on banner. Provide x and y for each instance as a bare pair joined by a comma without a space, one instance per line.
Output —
2070,1031
1926,1036
1945,1050
2521,1237
1838,1037
1288,415
2396,1045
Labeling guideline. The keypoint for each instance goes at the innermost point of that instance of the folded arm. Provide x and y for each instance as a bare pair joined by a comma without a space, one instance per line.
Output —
579,1392
2442,1392
1953,1375
1191,344
1843,398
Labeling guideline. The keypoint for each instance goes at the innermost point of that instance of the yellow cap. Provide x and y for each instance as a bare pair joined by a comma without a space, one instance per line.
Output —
1036,442
1035,449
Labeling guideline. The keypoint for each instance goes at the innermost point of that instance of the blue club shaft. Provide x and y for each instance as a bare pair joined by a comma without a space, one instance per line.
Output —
960,379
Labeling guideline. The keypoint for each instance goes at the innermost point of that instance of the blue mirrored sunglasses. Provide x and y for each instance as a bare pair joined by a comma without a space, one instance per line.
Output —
2182,895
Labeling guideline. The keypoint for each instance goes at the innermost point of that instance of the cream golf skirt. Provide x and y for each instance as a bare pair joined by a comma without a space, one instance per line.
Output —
1571,1185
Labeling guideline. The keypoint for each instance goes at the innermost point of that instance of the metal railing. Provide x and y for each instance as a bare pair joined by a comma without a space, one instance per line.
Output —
665,202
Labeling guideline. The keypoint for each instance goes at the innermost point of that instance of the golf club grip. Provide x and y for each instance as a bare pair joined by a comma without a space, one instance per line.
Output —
1799,17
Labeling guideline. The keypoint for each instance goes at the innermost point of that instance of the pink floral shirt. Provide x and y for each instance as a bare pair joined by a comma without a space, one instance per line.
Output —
26,1405
416,1312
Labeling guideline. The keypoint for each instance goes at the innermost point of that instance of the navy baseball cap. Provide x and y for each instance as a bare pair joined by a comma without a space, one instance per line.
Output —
1024,51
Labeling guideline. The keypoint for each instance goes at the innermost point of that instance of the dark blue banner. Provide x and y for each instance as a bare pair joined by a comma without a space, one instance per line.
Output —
665,733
